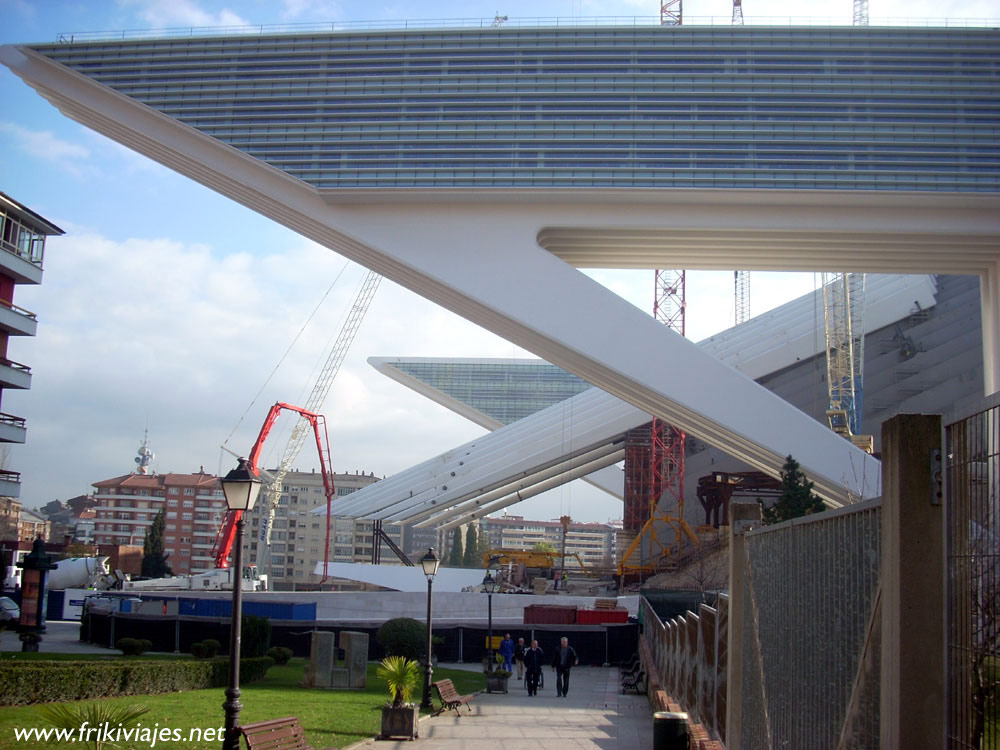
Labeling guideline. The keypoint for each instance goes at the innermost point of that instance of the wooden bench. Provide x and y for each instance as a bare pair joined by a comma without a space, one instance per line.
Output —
633,683
450,697
276,734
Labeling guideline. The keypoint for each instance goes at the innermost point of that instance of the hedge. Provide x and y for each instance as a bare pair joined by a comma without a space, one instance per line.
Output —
47,681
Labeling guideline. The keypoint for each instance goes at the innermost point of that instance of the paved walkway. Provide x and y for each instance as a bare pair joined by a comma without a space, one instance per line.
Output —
593,715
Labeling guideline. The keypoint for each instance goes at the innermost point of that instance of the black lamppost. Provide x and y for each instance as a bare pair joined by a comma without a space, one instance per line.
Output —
241,489
490,586
33,567
429,563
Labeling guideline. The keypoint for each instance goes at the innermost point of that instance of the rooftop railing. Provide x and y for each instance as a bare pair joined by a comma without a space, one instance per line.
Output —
482,23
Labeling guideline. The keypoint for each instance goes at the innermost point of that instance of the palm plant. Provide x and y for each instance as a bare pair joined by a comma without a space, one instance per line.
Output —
401,676
95,715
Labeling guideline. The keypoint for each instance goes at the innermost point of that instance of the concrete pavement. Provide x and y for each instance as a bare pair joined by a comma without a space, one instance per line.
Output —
594,715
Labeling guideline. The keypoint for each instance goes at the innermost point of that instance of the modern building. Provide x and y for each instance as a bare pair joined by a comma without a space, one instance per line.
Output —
594,145
22,239
194,507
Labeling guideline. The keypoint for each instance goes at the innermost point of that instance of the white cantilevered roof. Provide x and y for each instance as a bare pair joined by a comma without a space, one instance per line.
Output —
467,482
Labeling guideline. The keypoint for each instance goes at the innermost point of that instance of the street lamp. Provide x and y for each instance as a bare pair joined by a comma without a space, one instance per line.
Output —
429,563
33,567
490,586
241,488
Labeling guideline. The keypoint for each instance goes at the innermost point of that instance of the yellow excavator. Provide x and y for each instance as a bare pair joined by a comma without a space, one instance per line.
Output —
531,559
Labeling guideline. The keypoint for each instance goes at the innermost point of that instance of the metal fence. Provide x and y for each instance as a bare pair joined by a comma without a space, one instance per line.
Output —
973,581
810,620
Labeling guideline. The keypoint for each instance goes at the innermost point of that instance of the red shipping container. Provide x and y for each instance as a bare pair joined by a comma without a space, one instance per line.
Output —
601,616
549,614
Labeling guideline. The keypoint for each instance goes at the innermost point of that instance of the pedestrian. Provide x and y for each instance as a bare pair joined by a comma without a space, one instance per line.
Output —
534,658
565,659
519,657
507,652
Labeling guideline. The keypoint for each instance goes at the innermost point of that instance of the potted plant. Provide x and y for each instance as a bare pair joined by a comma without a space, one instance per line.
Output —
399,717
496,678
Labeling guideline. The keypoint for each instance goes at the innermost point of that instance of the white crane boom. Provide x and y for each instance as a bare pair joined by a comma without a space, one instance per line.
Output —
272,490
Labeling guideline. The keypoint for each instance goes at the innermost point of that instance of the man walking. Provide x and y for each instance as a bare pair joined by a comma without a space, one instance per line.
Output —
564,660
519,657
507,652
534,658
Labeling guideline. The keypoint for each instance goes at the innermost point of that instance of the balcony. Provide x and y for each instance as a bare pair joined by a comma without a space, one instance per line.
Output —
12,429
24,267
14,374
17,321
10,484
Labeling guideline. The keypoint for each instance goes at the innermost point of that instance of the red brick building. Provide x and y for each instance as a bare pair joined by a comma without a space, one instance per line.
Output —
193,503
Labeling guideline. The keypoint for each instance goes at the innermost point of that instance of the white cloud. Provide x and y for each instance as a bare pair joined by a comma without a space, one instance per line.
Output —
44,144
168,13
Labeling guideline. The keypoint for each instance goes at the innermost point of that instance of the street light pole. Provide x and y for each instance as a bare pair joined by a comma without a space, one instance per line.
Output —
241,488
489,586
429,563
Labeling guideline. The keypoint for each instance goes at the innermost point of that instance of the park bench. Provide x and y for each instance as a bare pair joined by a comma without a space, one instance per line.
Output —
633,683
450,697
276,734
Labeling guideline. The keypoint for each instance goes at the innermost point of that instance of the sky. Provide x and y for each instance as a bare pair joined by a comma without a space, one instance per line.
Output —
171,311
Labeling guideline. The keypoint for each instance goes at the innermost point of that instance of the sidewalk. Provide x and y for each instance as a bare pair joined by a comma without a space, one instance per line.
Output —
593,715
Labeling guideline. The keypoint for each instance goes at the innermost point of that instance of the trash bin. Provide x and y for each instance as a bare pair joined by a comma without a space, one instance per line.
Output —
670,731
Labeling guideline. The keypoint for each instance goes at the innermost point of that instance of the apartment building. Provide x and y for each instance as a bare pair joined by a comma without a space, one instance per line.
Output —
194,507
22,240
298,539
594,543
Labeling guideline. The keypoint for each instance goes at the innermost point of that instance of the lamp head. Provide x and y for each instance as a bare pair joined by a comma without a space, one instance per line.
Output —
241,488
489,583
430,563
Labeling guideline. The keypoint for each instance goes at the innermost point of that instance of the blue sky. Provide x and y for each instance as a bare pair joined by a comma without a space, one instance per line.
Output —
166,307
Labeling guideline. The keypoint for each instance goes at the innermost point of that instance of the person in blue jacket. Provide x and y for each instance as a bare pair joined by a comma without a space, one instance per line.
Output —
507,652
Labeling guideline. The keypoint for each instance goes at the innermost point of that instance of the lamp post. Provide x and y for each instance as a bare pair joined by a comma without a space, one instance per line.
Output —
33,567
429,563
490,586
241,488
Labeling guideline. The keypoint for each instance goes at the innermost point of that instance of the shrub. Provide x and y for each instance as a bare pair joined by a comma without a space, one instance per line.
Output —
23,682
133,646
256,636
213,647
280,654
403,636
199,650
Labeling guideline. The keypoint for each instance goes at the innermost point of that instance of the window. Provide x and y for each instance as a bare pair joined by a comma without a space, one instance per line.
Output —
171,514
188,491
172,491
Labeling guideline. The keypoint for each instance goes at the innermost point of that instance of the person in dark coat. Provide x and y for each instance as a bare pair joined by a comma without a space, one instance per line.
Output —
534,659
519,657
564,660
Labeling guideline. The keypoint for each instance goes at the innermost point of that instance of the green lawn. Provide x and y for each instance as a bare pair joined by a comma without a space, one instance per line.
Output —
331,718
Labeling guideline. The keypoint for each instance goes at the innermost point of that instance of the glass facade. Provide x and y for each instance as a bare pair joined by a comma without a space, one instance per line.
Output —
504,390
871,108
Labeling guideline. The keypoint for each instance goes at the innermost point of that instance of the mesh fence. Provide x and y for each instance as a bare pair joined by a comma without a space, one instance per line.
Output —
810,591
973,581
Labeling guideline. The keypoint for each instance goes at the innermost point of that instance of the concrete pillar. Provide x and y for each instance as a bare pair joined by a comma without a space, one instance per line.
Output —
743,516
989,293
913,595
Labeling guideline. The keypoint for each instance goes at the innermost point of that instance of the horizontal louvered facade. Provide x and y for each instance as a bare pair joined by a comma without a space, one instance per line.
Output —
621,107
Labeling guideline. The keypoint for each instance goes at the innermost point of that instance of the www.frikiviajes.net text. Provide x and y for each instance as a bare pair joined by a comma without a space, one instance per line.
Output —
117,734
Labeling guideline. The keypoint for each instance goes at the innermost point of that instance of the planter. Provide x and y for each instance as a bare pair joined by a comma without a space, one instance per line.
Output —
496,683
400,722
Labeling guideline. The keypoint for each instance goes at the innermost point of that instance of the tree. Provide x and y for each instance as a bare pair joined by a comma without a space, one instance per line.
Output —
796,498
546,548
455,554
471,545
154,561
484,544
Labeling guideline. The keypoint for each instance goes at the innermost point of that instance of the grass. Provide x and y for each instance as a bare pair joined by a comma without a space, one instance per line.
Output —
331,718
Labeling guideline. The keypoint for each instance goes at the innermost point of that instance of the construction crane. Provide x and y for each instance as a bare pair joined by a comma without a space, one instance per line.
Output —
272,489
741,282
224,541
671,12
737,13
843,317
860,12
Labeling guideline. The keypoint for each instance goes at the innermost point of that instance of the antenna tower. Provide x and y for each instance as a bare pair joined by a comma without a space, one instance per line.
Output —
737,15
671,12
860,12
